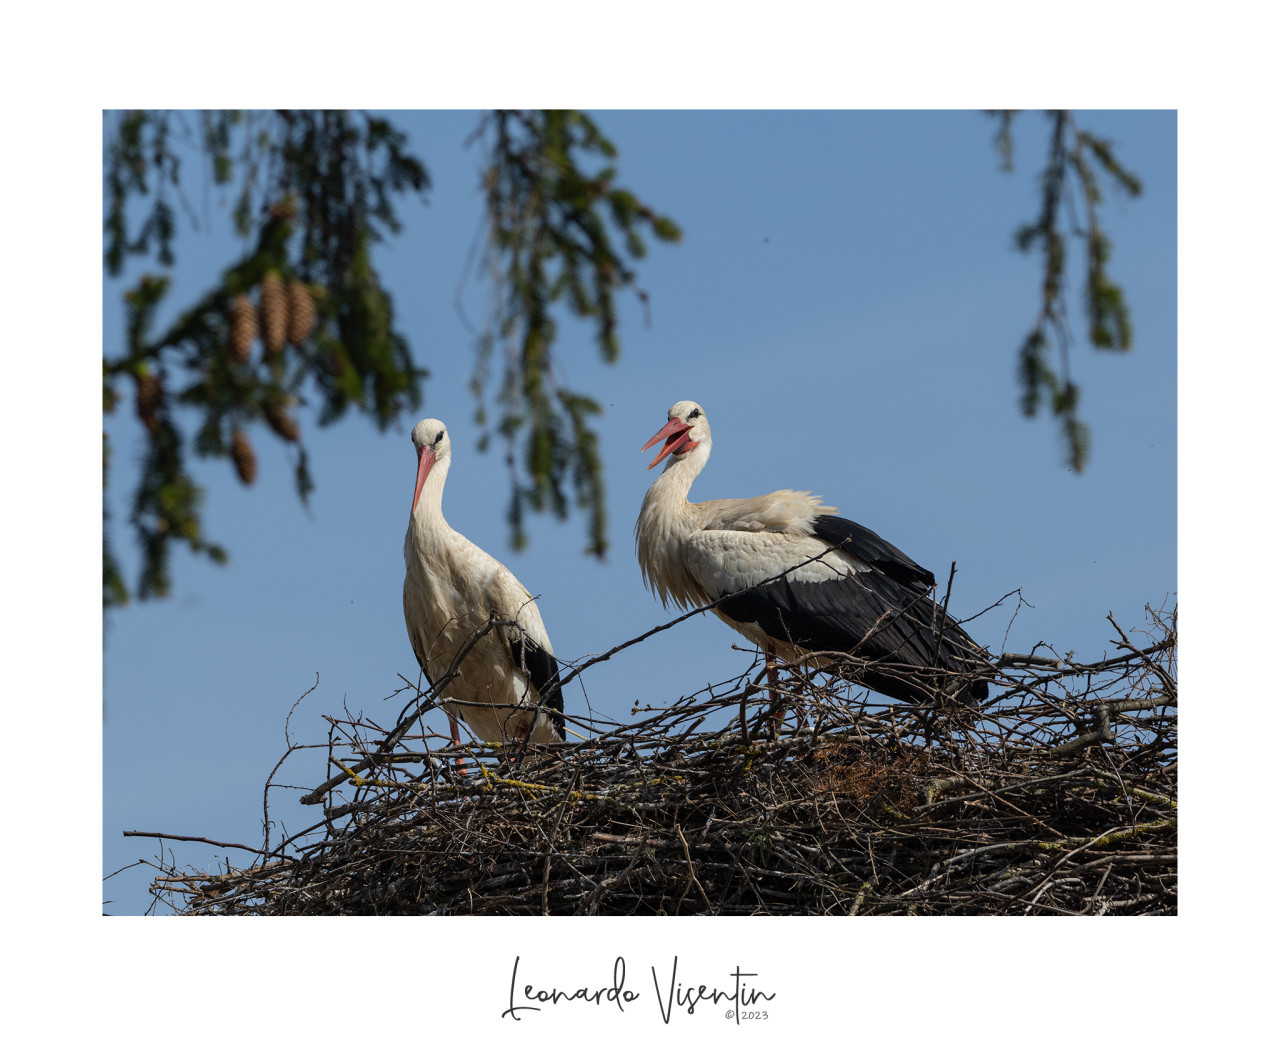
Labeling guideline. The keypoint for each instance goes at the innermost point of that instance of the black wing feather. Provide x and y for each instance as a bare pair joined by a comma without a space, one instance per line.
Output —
873,615
544,673
864,543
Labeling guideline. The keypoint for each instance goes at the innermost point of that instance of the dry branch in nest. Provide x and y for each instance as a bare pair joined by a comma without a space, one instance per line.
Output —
1058,796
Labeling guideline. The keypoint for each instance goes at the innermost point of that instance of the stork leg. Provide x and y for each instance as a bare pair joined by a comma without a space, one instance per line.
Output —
456,739
518,744
775,699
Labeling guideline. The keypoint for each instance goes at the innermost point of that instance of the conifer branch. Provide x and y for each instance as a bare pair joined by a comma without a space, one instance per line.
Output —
1068,180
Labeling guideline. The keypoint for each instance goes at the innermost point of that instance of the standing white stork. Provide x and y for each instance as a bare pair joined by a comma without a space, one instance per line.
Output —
863,597
451,589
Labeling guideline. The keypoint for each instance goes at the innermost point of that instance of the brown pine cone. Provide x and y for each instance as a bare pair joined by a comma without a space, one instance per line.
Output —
246,461
275,312
148,399
302,313
281,423
244,328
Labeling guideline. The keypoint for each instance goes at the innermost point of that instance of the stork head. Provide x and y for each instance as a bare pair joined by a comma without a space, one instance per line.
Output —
686,427
431,439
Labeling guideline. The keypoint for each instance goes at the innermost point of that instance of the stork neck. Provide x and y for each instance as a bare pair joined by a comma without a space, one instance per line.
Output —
665,521
428,515
681,471
669,493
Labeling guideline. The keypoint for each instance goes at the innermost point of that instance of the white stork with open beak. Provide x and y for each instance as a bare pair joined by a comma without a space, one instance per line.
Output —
863,597
451,589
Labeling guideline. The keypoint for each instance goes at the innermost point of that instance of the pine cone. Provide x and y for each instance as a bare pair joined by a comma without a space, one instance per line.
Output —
149,397
244,327
302,313
281,423
275,311
245,459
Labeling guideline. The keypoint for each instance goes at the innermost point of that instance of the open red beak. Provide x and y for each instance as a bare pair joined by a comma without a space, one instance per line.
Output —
679,438
426,458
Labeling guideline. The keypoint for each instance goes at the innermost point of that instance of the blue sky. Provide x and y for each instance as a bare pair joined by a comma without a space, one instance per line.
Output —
846,304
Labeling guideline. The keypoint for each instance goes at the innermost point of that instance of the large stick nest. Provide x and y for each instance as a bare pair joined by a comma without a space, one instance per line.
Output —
1058,796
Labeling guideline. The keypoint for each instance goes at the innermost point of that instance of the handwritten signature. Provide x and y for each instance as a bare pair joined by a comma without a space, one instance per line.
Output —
677,995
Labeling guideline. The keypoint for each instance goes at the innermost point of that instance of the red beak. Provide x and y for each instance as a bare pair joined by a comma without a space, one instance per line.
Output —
426,458
679,433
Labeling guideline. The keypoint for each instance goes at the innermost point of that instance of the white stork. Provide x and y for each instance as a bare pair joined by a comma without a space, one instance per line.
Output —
451,589
863,597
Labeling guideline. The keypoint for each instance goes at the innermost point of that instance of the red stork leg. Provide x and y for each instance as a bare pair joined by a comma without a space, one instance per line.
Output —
456,739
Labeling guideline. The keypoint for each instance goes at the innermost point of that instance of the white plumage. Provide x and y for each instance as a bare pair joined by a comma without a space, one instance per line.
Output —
862,597
451,588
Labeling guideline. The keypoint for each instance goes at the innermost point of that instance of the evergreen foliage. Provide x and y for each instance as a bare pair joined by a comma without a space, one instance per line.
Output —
314,190
1069,176
553,232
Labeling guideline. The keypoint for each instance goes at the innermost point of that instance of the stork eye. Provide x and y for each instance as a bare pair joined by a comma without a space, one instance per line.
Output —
439,437
695,413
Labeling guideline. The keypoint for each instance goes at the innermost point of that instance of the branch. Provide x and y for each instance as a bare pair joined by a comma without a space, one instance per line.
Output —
190,838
